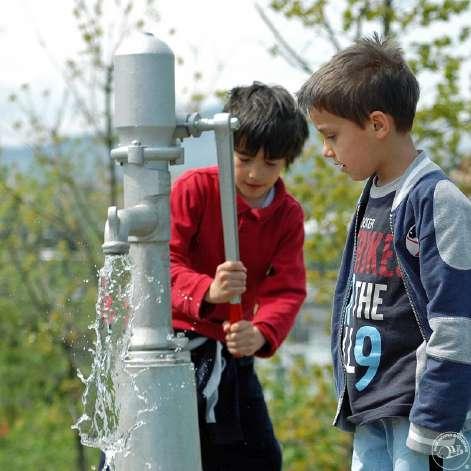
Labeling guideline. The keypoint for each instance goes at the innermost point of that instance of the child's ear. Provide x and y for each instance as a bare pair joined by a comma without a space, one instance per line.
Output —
380,123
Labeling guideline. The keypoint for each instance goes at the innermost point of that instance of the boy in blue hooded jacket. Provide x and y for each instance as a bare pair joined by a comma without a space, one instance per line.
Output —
401,337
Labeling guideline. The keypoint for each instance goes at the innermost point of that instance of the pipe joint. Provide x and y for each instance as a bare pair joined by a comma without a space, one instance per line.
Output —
193,124
138,154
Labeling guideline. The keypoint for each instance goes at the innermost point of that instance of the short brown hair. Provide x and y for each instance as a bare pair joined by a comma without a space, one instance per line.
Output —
371,75
269,119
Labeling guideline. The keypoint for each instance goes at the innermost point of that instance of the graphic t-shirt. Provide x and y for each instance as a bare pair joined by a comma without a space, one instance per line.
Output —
380,335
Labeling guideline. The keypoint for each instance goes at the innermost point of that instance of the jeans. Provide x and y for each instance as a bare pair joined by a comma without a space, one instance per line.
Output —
381,446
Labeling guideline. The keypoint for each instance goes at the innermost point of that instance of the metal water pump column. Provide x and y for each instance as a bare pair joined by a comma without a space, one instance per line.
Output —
167,438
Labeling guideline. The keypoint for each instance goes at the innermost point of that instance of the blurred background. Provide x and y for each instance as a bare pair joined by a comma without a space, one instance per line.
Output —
56,181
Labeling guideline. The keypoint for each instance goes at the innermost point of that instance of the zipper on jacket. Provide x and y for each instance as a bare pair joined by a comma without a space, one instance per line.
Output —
339,340
406,280
344,305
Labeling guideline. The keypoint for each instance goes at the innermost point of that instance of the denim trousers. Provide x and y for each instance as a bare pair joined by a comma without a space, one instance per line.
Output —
381,446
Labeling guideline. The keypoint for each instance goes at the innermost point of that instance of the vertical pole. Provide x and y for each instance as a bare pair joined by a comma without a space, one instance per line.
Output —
166,437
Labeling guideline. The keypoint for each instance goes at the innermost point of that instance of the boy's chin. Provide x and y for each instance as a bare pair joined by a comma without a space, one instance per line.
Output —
358,178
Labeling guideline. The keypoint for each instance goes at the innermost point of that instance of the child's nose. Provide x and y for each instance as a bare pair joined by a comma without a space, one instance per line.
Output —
327,151
255,172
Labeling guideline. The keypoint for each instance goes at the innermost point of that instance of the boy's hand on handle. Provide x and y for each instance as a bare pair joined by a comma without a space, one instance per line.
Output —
243,338
229,281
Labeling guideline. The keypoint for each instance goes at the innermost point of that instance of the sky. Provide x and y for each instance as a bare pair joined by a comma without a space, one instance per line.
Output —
224,39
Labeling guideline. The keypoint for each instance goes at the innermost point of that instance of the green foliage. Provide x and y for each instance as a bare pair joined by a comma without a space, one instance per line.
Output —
49,256
52,218
41,439
436,53
302,405
327,197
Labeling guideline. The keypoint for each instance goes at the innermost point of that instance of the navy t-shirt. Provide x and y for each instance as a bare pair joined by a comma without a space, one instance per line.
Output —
381,335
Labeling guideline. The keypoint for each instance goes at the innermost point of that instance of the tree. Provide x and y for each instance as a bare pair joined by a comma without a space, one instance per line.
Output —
52,227
438,56
49,260
302,406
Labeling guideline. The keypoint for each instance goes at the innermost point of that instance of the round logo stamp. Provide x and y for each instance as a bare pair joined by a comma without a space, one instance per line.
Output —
453,449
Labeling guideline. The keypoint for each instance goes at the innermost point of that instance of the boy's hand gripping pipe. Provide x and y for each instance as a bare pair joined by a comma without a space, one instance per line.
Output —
225,156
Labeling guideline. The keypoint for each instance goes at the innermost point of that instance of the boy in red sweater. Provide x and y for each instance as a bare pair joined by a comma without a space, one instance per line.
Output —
235,429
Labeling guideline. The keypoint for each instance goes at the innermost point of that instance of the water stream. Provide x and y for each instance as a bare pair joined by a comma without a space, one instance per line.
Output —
129,393
99,424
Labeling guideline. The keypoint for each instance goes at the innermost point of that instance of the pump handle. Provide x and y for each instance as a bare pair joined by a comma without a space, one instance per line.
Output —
223,129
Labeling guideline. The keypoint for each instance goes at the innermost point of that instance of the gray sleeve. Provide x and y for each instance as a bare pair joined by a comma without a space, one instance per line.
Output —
452,222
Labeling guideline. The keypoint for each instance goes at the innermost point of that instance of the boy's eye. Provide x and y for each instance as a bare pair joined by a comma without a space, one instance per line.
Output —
331,137
270,163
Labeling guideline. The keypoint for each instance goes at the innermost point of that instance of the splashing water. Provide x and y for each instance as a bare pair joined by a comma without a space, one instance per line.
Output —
99,424
107,422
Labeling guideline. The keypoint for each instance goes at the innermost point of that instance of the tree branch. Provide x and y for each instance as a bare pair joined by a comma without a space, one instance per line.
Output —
299,62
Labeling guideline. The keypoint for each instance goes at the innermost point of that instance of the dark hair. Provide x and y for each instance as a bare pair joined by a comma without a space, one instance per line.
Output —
370,75
269,119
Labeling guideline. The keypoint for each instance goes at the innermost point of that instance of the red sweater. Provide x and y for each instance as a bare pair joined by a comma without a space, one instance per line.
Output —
271,248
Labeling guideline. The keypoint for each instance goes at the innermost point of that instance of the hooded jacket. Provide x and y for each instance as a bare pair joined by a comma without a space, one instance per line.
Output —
431,225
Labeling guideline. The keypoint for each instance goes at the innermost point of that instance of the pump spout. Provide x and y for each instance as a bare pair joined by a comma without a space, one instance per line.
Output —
140,220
